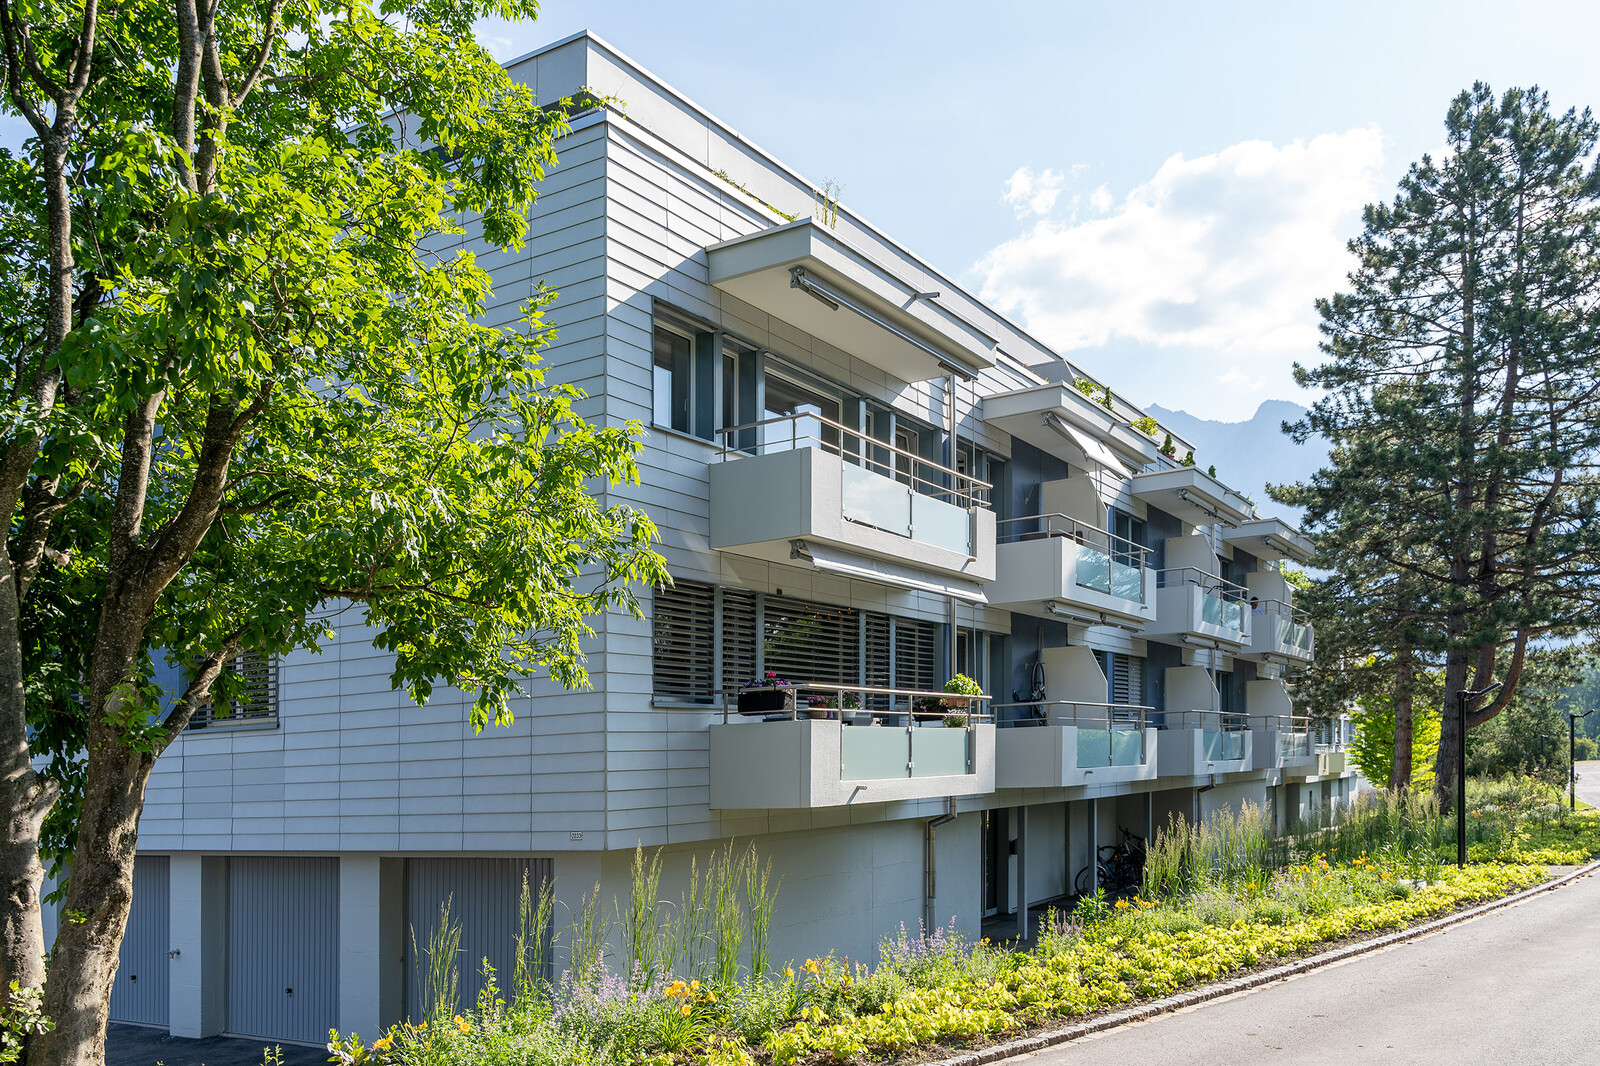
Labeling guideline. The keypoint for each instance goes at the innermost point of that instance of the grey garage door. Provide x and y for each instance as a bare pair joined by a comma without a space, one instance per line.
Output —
484,897
139,991
283,948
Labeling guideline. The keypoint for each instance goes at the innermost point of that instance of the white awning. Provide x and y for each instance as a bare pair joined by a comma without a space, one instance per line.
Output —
883,572
1093,451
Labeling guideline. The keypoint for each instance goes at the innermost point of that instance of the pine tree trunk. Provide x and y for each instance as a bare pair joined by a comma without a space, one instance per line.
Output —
1405,672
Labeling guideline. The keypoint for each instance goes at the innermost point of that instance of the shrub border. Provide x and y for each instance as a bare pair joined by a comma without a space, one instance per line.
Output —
1170,1004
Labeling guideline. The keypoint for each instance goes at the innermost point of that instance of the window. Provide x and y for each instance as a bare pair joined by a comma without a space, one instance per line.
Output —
673,380
683,637
1129,528
1124,677
811,641
706,639
785,396
258,695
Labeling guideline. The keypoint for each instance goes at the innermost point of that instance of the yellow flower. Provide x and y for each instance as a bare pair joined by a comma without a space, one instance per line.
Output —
462,1025
382,1043
811,966
711,997
1121,903
788,971
684,1009
694,986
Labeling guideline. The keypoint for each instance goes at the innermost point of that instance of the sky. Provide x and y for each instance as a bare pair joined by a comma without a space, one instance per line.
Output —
1160,191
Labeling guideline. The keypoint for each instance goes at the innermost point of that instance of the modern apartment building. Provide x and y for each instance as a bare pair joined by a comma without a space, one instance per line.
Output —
867,482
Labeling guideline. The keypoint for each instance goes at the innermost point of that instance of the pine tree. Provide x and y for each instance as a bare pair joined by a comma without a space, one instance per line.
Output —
1461,392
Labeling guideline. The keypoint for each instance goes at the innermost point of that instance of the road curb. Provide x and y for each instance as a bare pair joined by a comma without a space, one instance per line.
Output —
1169,1004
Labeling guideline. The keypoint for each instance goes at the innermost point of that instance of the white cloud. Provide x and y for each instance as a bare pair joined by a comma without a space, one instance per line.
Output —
1237,377
1224,252
1032,194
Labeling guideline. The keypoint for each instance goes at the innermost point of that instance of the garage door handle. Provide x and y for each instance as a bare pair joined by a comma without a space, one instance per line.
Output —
288,991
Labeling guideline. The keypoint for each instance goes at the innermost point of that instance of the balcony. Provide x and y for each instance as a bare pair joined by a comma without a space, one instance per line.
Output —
790,761
1061,744
1191,495
1270,538
1057,566
1200,742
804,488
1195,607
1279,632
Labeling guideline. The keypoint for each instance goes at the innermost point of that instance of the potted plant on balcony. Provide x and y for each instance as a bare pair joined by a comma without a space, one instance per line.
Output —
768,694
827,706
961,689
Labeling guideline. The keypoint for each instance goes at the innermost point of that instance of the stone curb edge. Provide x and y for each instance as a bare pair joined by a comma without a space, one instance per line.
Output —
1169,1004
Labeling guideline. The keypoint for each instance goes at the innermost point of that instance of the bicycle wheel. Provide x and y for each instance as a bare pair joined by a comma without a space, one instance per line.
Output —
1081,885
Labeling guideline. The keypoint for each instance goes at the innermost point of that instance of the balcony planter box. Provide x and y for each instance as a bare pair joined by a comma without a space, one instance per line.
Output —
779,699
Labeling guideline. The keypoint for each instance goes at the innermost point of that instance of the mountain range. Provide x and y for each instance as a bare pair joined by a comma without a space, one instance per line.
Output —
1252,454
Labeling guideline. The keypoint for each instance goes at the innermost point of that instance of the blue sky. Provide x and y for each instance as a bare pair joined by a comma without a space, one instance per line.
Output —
1161,190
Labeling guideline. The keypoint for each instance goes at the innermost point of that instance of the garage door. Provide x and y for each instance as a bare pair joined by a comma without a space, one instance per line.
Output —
485,897
139,991
283,948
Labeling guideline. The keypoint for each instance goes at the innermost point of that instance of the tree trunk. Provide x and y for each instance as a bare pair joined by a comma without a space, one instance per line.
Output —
99,893
1404,673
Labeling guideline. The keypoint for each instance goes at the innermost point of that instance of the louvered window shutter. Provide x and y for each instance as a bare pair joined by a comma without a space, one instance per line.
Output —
257,701
811,641
1127,679
684,635
738,639
916,655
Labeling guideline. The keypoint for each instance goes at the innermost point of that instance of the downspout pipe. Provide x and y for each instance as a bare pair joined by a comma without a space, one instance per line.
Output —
929,885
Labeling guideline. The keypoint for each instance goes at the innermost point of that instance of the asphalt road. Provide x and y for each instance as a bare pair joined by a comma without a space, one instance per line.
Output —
1517,985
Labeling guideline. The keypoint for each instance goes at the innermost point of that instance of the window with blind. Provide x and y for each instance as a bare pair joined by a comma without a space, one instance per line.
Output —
798,640
257,700
683,636
1124,677
811,641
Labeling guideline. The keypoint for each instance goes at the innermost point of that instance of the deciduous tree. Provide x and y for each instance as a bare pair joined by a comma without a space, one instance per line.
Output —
250,381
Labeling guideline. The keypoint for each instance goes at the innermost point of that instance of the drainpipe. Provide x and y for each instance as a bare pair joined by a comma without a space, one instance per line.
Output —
929,887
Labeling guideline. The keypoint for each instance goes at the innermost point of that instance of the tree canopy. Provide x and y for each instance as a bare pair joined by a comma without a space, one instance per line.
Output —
1460,391
253,374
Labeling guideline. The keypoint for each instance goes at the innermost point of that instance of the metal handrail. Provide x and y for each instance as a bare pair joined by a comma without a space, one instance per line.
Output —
962,486
1070,528
1193,575
1239,725
973,713
1297,615
1107,711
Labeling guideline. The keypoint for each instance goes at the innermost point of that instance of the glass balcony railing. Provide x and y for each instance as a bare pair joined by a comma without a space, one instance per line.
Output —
1294,746
1221,746
1222,603
1109,734
1104,562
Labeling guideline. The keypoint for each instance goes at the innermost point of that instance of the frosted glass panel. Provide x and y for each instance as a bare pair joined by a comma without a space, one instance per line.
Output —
937,751
1127,747
1094,569
1094,747
1127,582
868,753
941,524
875,500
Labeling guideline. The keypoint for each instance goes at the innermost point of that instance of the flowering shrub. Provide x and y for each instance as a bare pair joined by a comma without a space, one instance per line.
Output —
936,987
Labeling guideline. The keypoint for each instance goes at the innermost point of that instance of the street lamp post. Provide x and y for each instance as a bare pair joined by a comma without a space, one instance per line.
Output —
1464,695
1572,756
